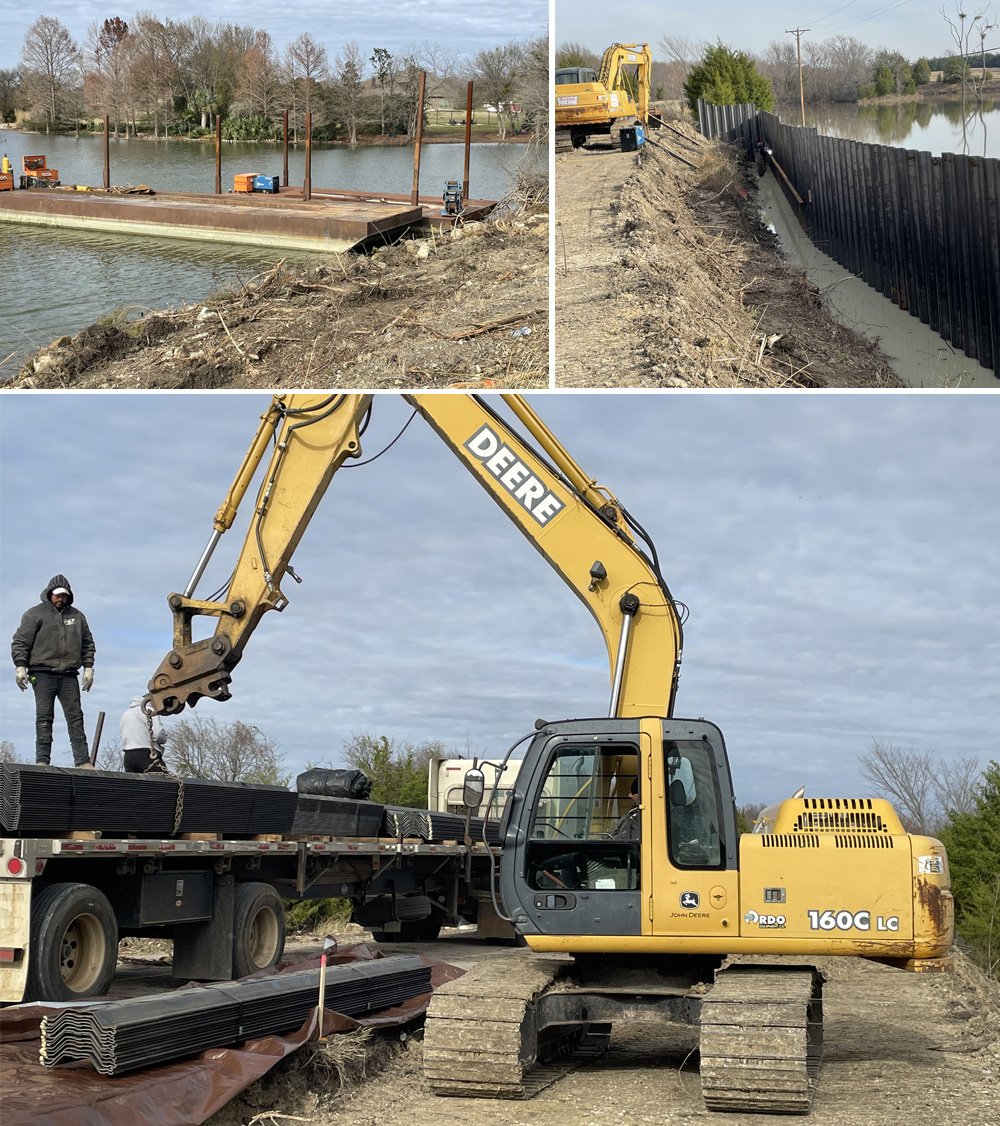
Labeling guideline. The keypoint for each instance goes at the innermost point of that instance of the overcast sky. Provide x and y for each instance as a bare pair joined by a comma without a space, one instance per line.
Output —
840,555
913,27
464,25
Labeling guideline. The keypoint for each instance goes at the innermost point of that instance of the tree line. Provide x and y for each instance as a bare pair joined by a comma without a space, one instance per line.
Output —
839,69
169,77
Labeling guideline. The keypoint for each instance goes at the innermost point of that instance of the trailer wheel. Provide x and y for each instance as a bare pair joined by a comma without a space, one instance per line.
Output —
258,928
74,944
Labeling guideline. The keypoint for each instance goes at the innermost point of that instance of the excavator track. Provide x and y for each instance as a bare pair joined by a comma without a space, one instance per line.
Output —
762,1039
480,1037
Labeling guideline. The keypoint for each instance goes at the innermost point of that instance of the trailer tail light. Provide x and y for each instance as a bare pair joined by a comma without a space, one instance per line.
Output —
15,866
9,956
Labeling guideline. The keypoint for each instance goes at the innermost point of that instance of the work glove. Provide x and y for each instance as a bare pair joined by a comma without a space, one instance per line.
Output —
21,676
88,680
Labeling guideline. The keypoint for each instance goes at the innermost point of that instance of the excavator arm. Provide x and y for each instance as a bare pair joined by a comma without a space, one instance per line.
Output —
626,67
578,526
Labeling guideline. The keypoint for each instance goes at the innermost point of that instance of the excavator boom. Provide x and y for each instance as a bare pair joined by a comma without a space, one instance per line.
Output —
579,527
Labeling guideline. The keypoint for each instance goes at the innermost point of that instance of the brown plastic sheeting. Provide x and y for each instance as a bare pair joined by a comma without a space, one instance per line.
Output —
177,1094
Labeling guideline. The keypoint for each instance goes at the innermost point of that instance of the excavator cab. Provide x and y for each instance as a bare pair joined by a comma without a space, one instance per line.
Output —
575,75
579,868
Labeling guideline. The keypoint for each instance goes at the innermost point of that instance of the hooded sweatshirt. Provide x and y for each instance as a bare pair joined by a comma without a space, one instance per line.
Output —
51,640
135,730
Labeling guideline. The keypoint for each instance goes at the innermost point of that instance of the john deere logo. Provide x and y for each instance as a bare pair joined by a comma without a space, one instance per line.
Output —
690,900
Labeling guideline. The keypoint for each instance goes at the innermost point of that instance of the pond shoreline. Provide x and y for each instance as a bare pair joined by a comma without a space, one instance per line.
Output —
368,142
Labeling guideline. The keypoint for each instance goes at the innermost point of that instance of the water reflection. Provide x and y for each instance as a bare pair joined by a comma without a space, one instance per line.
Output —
934,127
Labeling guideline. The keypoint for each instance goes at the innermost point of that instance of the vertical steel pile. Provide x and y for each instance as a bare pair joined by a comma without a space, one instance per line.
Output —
121,1036
923,230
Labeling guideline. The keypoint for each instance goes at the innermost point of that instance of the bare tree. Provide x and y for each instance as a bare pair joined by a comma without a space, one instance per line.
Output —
50,57
349,90
495,72
964,30
384,71
156,51
231,752
924,788
8,752
307,65
575,54
533,88
257,85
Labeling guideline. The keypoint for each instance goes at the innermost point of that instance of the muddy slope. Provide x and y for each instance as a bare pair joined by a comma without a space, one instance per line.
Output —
465,308
666,277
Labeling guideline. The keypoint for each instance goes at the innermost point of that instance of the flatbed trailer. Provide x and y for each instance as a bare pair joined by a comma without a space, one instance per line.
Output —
65,903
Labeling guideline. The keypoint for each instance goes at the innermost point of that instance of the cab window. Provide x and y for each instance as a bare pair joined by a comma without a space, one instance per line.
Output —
585,829
693,804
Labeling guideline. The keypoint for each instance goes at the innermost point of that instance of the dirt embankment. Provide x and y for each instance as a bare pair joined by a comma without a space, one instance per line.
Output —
899,1049
666,277
465,308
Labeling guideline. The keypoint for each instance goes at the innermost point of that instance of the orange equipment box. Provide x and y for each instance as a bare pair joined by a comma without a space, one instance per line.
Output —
35,167
6,181
243,181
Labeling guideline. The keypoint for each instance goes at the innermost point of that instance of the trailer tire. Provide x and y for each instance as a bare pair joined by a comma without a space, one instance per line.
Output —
258,928
74,944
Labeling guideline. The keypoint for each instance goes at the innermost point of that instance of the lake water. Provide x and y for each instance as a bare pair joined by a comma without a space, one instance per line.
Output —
933,127
55,282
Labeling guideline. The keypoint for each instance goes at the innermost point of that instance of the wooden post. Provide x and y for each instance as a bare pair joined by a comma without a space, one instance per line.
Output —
284,171
415,194
107,155
307,183
468,143
218,154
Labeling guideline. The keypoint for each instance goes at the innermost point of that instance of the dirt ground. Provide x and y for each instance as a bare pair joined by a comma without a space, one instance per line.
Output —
467,308
666,277
900,1049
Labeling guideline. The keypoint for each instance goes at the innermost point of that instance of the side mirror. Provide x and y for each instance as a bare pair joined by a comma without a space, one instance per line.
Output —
473,789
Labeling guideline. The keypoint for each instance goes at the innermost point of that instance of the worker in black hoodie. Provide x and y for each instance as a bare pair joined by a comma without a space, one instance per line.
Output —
51,644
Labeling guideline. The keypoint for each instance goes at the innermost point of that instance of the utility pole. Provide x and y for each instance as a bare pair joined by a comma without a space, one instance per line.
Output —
798,32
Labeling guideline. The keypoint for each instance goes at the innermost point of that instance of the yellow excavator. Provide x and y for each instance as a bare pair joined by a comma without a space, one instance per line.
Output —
589,104
620,845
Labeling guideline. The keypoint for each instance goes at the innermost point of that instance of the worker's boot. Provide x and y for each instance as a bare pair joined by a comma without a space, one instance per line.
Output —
85,766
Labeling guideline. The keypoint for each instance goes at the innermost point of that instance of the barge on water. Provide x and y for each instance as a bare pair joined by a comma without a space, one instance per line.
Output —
330,220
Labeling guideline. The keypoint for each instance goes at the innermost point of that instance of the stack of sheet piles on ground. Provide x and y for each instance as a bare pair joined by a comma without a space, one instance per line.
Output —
337,817
430,825
121,1036
35,800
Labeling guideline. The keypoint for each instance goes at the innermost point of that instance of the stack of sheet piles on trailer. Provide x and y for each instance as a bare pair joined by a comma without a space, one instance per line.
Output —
337,817
35,800
430,825
121,1036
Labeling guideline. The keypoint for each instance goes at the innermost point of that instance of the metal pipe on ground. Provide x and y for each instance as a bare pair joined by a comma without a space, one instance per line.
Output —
415,193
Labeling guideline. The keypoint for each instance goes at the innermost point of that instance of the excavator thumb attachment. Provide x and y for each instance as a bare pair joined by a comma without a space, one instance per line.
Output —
203,670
